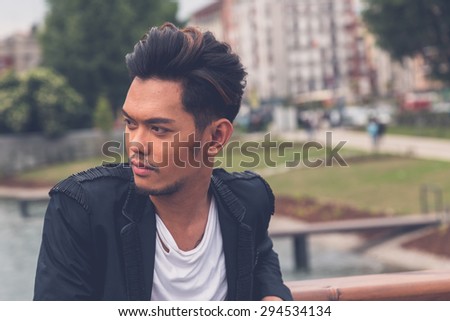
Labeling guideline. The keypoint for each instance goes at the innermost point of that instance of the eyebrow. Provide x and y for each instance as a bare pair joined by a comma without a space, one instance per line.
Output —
153,120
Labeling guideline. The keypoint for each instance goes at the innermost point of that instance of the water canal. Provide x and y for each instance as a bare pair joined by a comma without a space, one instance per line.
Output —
20,240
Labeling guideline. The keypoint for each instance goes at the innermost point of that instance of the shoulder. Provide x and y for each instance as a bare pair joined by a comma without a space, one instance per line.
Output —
248,186
237,177
94,182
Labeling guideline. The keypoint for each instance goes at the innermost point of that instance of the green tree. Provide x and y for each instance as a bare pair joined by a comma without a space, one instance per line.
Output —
13,115
14,112
41,101
9,80
406,28
87,40
103,115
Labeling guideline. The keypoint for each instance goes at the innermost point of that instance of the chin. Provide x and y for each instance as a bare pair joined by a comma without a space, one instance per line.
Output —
166,190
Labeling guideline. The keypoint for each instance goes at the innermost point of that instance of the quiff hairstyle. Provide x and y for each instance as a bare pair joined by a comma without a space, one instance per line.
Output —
212,77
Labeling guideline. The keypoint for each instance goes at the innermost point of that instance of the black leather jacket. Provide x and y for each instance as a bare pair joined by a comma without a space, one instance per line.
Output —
99,238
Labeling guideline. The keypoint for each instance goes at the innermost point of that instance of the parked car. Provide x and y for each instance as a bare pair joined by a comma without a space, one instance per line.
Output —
418,101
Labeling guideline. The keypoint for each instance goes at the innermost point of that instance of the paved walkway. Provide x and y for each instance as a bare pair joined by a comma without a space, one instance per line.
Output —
420,147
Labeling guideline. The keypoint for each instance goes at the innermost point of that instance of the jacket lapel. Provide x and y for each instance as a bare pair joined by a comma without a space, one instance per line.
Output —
237,241
139,233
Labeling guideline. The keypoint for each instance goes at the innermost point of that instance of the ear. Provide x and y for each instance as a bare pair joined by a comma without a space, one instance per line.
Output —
221,131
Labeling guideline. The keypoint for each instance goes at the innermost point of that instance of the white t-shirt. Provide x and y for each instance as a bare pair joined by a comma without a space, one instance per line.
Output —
198,274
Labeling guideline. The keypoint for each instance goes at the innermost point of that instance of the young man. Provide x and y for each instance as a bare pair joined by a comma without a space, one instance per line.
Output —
167,226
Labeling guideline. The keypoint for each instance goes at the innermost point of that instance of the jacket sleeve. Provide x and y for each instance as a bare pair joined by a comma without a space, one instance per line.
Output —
267,273
268,279
64,270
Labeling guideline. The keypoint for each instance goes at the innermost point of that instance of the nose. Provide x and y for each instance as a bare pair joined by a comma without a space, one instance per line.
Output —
137,143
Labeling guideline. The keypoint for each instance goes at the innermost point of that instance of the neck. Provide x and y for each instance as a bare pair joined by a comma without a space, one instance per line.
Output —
187,206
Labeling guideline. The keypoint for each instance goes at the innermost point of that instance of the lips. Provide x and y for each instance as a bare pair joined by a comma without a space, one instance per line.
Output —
142,169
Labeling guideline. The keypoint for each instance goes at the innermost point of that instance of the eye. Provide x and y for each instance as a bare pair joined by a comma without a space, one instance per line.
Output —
159,130
129,123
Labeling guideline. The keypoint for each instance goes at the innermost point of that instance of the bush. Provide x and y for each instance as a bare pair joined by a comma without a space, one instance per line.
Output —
40,101
9,81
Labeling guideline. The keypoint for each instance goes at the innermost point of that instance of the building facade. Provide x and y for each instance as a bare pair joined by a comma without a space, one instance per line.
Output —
20,52
297,48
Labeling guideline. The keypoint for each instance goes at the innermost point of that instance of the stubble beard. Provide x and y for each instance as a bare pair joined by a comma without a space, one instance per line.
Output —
164,191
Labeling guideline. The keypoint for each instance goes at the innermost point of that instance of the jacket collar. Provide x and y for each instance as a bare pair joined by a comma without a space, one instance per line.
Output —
238,243
140,233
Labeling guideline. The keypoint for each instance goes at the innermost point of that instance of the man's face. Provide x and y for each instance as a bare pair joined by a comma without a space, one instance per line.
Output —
160,136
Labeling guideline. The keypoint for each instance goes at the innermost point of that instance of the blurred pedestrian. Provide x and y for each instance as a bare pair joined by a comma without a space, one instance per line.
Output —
374,131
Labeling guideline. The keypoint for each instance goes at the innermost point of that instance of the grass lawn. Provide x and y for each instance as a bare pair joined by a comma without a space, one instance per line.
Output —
388,184
50,175
258,159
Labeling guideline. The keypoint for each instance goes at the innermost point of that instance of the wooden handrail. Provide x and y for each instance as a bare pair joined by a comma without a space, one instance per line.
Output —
356,225
418,285
24,194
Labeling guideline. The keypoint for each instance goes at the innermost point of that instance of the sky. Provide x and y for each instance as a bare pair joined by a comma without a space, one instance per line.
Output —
20,15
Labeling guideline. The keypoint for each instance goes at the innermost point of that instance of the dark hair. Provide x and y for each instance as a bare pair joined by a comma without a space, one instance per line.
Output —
212,77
